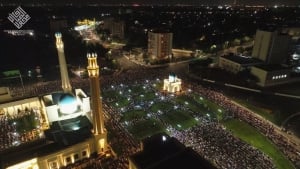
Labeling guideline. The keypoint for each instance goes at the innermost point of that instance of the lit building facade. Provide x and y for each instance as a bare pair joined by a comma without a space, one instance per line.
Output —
5,94
70,127
172,84
270,75
116,27
55,159
160,45
271,46
274,60
43,152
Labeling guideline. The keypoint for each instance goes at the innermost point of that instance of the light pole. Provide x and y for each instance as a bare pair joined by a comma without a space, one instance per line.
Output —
21,79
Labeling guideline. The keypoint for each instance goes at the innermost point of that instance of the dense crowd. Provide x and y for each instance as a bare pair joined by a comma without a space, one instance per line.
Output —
265,127
209,138
224,150
9,134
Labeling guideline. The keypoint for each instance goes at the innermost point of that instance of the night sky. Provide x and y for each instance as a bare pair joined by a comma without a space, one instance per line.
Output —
170,2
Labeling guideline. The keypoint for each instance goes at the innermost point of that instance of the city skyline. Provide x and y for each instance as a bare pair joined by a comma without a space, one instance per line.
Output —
157,2
86,85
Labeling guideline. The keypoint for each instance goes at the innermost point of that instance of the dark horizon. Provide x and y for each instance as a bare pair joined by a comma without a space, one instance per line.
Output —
153,2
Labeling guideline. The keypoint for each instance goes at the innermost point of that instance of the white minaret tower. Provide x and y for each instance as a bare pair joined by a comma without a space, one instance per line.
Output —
99,130
65,82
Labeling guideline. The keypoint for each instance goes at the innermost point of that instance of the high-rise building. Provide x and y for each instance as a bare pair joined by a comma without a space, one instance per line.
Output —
274,58
115,26
160,44
65,82
99,131
271,46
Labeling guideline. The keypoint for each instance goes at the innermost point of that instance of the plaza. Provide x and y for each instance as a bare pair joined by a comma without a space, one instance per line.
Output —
144,109
199,117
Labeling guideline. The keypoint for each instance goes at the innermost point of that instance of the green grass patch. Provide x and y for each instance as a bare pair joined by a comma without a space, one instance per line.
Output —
133,114
145,128
203,106
138,89
149,96
115,98
250,135
211,106
121,102
179,119
163,106
214,109
25,123
191,104
110,94
159,86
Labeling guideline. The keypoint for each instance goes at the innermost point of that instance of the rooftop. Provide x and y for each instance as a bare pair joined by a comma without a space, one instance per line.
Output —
56,139
272,67
162,151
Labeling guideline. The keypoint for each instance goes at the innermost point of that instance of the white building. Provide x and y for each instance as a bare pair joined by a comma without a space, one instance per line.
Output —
160,45
270,75
173,84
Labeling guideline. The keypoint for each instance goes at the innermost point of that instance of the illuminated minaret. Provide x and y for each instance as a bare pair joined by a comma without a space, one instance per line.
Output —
65,82
99,131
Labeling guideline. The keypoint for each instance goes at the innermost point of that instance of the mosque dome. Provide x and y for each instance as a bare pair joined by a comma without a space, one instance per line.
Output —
67,103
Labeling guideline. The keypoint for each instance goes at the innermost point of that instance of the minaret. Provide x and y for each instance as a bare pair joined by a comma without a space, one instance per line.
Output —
99,131
65,82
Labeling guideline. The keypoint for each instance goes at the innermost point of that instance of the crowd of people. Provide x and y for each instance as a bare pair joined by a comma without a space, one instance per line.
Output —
8,134
121,138
209,139
265,127
214,143
10,129
220,147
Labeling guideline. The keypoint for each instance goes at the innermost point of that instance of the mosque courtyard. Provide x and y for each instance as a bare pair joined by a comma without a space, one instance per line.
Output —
144,109
147,109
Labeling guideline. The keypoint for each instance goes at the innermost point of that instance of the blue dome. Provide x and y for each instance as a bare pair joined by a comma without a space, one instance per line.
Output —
66,98
67,103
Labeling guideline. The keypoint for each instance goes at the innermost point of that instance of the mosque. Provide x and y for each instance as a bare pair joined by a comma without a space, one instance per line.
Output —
71,123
